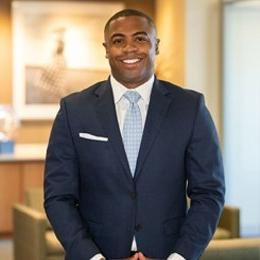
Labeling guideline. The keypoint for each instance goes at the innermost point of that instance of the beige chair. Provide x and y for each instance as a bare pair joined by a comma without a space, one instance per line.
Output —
229,224
34,238
233,249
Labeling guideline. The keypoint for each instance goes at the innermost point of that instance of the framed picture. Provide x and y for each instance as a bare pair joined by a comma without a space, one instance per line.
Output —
57,50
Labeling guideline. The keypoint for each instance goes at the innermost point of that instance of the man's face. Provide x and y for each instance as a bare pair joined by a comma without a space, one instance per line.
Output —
131,47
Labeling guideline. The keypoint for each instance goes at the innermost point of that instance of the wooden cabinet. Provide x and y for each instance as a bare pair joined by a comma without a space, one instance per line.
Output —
18,172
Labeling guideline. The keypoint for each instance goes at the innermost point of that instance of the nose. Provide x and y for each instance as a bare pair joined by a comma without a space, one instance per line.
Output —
130,46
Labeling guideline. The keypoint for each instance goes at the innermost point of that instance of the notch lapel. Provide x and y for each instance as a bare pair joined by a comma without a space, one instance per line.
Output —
106,113
158,107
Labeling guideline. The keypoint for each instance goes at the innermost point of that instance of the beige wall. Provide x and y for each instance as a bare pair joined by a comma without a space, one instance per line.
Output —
190,50
203,53
170,19
169,16
5,53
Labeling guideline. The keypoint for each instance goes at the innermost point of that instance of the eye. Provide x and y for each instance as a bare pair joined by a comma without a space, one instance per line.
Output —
141,39
118,41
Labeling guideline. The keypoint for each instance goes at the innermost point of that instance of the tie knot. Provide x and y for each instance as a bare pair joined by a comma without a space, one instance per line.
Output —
132,96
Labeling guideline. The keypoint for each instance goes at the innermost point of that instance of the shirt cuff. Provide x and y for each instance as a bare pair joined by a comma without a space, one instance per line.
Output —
175,256
97,257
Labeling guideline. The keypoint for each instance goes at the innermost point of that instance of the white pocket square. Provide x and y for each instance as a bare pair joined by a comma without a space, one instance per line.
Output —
93,137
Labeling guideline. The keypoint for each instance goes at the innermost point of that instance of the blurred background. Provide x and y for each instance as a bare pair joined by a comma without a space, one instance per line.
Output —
211,46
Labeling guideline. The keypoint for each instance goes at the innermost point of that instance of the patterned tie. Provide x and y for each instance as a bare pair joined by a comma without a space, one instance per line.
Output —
132,129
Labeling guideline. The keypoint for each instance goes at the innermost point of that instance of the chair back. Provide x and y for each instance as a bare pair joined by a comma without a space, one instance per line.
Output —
34,199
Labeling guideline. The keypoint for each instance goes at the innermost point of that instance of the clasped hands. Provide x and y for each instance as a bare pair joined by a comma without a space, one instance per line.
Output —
139,256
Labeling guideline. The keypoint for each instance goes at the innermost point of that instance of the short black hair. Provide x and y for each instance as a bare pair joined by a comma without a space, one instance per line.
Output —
129,12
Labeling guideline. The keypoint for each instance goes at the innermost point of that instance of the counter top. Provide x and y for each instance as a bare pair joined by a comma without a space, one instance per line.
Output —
25,152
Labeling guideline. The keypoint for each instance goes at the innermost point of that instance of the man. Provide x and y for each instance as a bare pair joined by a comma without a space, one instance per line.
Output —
118,170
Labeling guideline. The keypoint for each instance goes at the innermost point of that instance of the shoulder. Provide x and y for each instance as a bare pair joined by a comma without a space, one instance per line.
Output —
86,95
179,93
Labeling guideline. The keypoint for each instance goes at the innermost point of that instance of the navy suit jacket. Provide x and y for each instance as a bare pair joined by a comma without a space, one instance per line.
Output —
91,199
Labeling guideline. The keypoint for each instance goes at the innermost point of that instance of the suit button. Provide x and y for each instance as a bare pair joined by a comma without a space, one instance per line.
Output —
138,227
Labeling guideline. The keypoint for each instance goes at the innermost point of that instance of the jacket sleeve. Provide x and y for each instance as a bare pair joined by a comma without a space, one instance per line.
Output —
61,191
206,186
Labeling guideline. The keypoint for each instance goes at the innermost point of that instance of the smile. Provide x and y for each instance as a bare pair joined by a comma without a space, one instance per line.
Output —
131,61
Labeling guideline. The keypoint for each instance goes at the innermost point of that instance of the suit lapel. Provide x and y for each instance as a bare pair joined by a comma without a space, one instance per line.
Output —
158,107
106,113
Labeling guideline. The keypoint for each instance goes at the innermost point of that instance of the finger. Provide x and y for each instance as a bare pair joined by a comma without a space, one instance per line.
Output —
134,257
141,256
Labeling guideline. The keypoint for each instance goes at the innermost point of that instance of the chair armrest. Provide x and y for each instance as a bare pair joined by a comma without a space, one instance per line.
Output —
229,249
29,233
230,220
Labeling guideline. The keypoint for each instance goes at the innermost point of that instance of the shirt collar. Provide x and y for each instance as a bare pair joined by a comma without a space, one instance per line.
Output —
144,90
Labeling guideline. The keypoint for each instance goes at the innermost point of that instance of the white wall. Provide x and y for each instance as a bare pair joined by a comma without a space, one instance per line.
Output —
242,111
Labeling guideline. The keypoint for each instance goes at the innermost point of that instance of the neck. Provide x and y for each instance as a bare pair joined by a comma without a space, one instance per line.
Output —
131,84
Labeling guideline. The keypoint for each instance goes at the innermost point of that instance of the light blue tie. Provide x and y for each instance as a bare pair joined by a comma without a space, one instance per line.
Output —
132,129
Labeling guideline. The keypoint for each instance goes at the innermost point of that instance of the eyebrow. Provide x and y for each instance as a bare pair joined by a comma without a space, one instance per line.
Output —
122,35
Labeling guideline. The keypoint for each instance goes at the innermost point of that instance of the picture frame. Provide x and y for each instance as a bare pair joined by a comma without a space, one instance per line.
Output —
57,50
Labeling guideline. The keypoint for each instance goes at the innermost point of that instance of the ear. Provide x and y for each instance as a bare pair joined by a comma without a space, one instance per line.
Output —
157,46
105,46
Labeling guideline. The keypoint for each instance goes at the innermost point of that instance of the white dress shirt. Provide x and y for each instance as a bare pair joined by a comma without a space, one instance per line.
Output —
121,105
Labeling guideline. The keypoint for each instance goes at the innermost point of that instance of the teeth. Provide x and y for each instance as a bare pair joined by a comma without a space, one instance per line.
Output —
131,61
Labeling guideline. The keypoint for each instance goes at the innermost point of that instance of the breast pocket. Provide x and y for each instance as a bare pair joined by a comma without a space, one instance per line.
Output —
96,157
92,147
